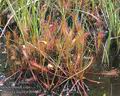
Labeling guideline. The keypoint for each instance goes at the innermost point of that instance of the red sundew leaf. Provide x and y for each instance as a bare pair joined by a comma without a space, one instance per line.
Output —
24,52
84,37
64,27
40,67
52,27
101,35
48,19
78,59
112,73
46,85
51,44
64,3
93,81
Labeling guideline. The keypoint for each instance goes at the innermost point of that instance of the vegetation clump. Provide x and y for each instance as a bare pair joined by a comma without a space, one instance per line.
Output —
58,43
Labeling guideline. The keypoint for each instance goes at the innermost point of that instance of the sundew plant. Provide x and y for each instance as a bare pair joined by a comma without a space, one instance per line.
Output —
59,41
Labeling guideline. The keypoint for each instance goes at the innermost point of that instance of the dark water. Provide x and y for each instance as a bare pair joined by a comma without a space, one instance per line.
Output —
109,87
